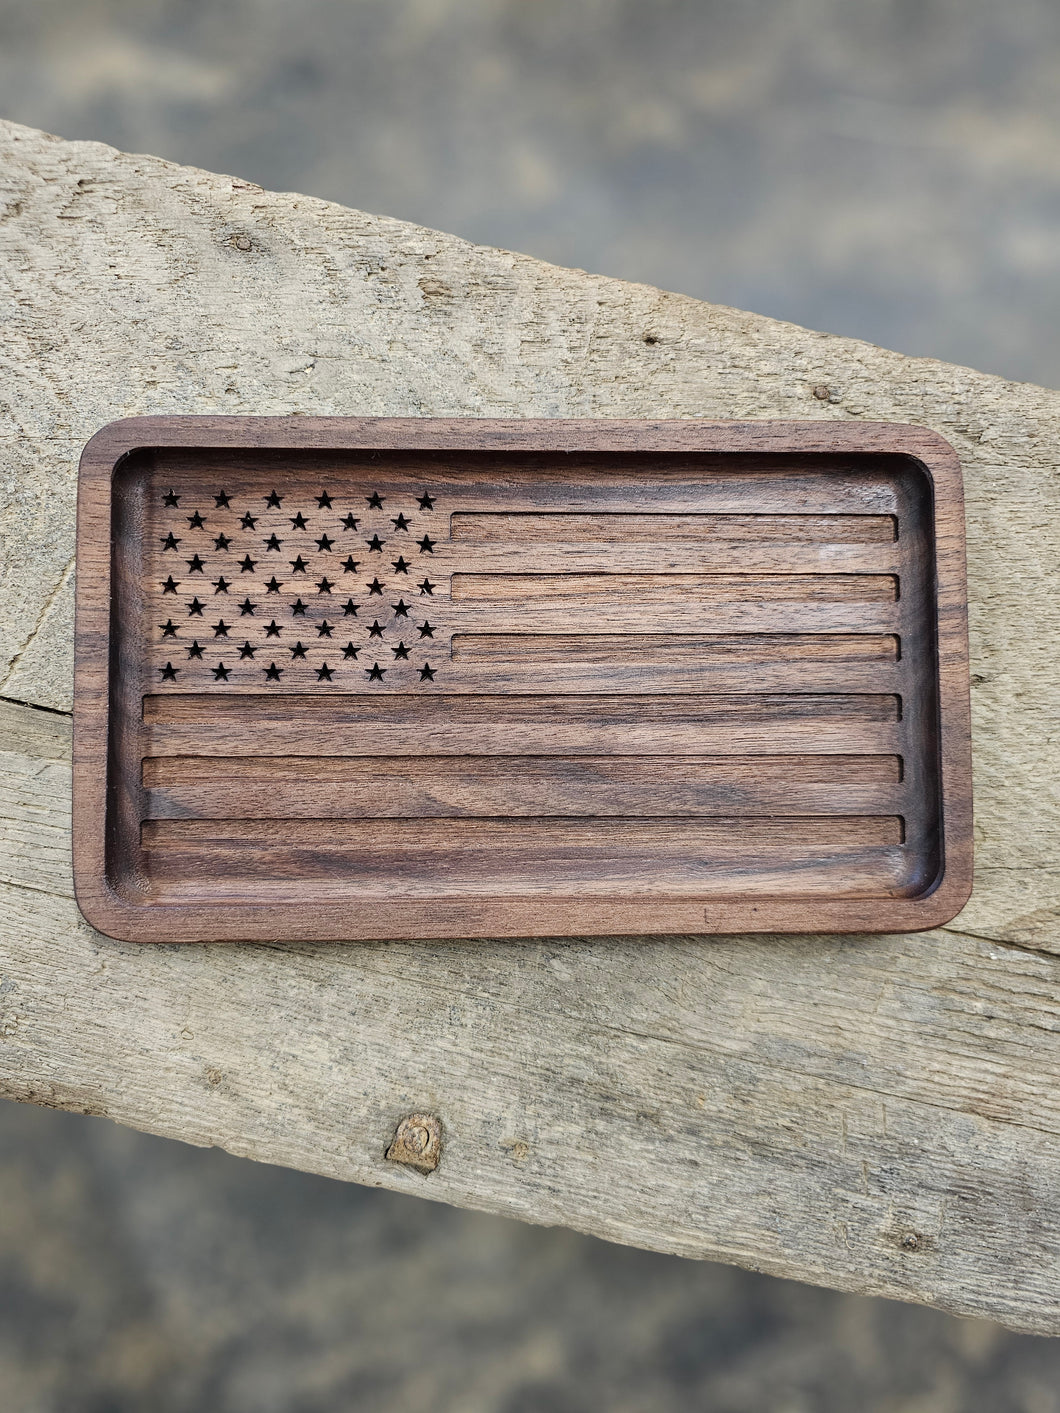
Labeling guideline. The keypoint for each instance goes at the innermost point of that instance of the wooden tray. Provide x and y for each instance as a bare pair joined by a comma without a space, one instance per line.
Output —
360,678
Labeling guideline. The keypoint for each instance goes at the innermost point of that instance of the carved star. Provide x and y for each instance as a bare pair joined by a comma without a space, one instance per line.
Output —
325,673
375,501
272,672
324,543
195,565
220,629
247,650
221,585
325,585
220,672
426,629
272,501
171,498
400,522
376,544
350,522
196,522
298,566
400,651
349,608
195,650
324,501
351,565
375,587
426,587
246,607
299,522
170,586
195,609
401,609
247,565
249,521
273,629
324,629
375,672
221,500
427,672
350,651
376,630
170,542
426,502
169,628
222,542
401,564
272,543
169,672
273,586
298,650
298,608
427,545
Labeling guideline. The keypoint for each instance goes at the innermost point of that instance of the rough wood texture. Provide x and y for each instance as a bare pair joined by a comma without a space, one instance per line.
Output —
573,852
876,1114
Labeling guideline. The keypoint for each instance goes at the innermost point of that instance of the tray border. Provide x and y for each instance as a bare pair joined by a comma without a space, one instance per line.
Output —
538,917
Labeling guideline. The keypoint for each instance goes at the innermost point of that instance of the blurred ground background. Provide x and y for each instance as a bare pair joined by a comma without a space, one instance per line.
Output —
888,169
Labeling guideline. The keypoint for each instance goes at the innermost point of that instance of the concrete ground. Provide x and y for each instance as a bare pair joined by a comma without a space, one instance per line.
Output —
883,168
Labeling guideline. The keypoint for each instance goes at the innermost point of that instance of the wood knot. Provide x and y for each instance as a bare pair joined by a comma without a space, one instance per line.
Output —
417,1143
435,289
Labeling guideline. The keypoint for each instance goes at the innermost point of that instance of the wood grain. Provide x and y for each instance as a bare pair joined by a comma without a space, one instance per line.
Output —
315,563
346,787
570,527
800,1105
660,592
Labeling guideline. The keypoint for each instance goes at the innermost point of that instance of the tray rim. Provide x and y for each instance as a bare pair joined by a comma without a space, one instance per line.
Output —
133,921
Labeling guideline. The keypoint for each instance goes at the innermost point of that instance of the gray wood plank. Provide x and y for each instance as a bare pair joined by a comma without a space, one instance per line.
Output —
878,1115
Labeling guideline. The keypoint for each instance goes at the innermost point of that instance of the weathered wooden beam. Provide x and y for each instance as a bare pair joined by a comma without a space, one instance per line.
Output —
875,1114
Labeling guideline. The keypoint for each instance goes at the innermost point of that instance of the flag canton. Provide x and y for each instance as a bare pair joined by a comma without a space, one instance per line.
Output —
269,587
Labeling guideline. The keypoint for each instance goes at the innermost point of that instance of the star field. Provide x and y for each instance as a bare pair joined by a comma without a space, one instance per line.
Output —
296,570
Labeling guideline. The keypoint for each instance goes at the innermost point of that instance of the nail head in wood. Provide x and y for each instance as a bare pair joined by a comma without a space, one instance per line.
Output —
417,1143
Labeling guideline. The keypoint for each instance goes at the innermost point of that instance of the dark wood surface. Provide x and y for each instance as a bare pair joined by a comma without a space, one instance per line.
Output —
519,678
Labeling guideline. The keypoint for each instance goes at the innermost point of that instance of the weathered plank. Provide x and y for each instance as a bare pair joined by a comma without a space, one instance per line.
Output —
875,1114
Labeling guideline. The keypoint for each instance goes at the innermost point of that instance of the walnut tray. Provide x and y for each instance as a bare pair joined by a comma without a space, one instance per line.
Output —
364,678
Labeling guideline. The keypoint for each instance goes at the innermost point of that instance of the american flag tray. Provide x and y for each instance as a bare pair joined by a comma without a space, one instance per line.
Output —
371,678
